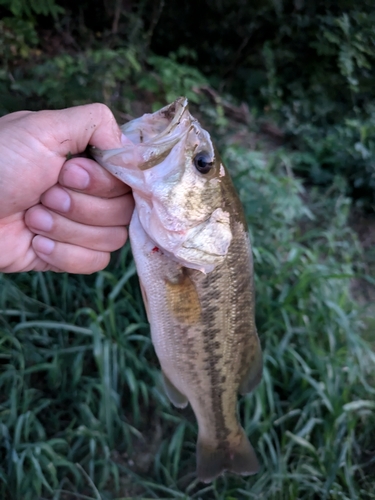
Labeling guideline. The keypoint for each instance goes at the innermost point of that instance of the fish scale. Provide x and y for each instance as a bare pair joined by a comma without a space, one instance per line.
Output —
193,256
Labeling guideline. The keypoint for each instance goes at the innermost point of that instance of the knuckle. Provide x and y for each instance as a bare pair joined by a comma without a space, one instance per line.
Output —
99,261
119,238
102,110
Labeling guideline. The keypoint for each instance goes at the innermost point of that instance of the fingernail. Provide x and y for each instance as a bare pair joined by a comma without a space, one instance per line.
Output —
57,199
42,220
43,245
126,141
75,177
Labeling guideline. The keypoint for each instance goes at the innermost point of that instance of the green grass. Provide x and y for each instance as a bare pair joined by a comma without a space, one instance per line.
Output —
81,413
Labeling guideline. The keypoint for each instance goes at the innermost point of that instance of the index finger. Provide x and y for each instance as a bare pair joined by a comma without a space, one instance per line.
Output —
87,176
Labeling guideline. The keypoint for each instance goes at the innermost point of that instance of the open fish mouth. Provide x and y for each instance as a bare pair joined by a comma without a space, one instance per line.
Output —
148,140
176,111
156,127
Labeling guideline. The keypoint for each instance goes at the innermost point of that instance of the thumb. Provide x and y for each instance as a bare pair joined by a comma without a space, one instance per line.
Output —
35,146
75,128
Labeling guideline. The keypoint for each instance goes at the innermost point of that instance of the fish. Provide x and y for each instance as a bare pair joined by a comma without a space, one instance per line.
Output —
192,251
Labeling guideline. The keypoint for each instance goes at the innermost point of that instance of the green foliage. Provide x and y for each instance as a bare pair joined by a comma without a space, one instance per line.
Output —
79,79
326,105
170,79
28,8
308,65
112,76
16,39
79,382
346,149
81,414
71,352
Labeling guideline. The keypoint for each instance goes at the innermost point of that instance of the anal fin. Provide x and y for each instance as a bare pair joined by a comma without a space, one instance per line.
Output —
174,395
145,300
253,375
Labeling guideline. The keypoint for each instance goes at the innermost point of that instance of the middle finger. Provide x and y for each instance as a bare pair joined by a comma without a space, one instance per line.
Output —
87,209
87,176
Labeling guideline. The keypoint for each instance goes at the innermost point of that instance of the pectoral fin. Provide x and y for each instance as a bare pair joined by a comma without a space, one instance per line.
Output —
253,375
183,299
174,395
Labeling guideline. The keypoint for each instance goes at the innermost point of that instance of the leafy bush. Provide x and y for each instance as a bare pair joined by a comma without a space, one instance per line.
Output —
346,150
79,79
310,66
113,76
16,39
170,79
27,8
326,107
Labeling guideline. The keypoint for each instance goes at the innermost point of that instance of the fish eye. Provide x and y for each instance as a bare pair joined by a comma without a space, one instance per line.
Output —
202,163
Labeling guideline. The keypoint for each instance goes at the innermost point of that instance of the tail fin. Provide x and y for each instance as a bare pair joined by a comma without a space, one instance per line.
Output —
213,459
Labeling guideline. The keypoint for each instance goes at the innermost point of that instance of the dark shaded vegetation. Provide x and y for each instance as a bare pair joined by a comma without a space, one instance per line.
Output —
81,414
307,65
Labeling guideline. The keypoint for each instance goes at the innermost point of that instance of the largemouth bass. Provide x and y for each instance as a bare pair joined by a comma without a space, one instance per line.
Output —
192,252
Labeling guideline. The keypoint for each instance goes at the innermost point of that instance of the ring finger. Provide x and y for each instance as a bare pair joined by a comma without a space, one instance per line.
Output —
87,209
57,227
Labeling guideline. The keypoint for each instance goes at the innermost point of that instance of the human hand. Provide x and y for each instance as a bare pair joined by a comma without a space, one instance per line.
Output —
58,214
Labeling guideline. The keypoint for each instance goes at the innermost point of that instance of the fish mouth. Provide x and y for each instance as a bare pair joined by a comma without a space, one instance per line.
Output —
150,138
156,134
175,113
153,128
